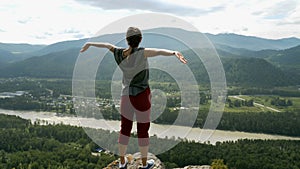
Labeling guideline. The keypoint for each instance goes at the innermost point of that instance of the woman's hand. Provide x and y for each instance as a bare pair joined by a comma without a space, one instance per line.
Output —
180,57
85,47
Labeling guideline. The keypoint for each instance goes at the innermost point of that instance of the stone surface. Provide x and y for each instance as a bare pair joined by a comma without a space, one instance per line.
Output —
134,162
196,167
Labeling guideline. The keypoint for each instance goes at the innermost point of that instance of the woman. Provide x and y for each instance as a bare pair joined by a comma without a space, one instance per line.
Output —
135,97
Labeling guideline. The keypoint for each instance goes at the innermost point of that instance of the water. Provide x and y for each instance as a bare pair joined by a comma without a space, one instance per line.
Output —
161,131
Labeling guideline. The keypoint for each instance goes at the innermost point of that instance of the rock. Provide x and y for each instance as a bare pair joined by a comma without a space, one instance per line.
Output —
198,167
134,162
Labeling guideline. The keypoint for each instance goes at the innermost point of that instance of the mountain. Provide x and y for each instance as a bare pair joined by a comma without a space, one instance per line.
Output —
245,71
243,65
20,48
251,42
255,72
59,46
239,71
287,59
6,56
242,52
57,64
11,52
227,42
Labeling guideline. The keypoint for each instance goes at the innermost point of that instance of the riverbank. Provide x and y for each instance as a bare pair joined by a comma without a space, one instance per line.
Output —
161,131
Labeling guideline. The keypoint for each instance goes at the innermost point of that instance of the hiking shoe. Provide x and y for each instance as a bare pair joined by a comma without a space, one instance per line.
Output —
150,164
124,166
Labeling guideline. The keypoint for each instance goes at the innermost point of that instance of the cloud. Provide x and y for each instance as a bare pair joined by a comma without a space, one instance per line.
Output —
153,5
245,29
295,22
48,34
70,31
278,11
79,36
24,20
40,37
292,19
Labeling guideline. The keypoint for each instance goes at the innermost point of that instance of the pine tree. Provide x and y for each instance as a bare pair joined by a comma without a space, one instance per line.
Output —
218,164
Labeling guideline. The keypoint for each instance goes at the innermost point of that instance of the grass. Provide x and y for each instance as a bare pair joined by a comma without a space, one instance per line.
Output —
205,108
244,109
266,100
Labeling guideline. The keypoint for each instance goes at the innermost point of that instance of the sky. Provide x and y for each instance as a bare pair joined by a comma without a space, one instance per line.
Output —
51,21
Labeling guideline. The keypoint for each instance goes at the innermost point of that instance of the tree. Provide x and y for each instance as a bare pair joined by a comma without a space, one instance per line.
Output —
289,103
237,103
218,164
230,103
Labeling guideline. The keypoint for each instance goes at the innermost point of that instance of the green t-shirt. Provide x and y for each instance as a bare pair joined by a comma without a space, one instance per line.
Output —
135,70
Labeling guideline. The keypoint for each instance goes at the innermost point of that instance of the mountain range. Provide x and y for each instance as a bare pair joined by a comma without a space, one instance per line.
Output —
247,60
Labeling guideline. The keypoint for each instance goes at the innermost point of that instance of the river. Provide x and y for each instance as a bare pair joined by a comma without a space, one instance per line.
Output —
157,129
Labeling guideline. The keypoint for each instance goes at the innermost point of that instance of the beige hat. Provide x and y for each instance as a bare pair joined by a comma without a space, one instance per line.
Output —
132,31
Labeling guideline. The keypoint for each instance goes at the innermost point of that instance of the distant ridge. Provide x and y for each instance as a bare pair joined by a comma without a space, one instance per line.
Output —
276,65
252,42
239,70
228,39
20,47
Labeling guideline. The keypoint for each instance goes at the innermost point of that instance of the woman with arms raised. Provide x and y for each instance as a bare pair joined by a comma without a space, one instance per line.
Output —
136,94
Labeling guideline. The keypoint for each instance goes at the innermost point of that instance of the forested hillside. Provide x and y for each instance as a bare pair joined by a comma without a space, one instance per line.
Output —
239,71
24,145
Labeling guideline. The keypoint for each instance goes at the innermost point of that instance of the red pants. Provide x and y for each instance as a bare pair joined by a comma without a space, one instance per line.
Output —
140,105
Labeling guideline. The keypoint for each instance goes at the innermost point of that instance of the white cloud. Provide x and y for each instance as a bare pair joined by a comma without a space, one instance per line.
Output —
152,5
292,19
279,10
253,18
50,21
25,20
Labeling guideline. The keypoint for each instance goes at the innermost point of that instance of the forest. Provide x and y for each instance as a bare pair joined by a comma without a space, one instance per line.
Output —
26,145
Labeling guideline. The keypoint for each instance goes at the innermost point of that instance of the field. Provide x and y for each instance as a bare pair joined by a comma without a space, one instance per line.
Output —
266,100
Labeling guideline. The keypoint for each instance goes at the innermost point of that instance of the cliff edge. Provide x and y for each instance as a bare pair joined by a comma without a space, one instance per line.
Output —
134,162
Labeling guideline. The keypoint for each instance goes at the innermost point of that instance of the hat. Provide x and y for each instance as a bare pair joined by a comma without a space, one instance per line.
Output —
133,31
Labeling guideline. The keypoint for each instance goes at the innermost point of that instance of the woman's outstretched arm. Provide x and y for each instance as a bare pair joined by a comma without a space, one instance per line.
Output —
151,52
99,45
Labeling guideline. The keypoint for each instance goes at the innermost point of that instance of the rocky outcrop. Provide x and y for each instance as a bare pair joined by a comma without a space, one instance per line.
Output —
135,162
196,167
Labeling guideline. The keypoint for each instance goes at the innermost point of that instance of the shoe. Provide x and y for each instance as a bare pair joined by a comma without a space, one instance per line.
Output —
150,164
123,166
